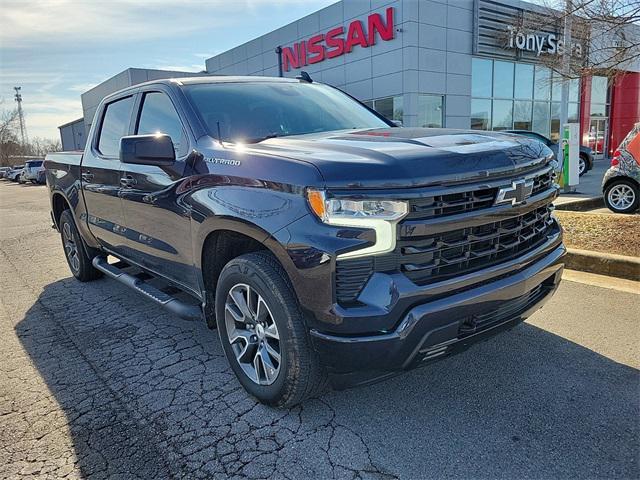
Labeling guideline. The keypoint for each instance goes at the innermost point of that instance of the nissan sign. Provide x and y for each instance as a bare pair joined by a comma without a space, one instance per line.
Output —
335,43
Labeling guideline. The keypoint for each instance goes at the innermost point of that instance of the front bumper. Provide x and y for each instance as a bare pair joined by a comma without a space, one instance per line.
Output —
446,325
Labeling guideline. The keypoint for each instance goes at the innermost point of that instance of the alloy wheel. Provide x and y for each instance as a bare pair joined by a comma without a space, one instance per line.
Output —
621,196
253,334
70,247
582,166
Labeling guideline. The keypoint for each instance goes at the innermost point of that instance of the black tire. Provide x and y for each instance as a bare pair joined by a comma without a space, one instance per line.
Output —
300,374
80,266
626,185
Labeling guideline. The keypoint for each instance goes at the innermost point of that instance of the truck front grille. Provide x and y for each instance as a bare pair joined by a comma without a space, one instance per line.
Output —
432,258
450,204
437,257
425,208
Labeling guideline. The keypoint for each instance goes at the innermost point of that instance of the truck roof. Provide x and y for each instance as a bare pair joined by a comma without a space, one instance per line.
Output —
204,79
230,79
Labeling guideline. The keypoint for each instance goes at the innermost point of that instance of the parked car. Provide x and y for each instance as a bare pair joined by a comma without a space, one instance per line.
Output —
585,157
31,170
3,171
621,183
14,173
320,239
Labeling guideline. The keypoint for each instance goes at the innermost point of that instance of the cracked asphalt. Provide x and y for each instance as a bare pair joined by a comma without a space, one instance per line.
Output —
97,382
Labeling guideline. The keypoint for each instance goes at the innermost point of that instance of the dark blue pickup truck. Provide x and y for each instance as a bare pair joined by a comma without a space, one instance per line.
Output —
326,244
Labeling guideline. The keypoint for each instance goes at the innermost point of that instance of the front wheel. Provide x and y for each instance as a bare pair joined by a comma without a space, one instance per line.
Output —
78,255
622,196
263,334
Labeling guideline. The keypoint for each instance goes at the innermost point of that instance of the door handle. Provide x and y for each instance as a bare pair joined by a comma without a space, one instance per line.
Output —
87,176
127,181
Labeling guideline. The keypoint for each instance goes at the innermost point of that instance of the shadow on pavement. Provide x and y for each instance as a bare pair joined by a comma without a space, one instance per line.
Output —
149,395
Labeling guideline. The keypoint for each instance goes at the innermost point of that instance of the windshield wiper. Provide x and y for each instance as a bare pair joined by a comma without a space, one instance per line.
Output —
262,139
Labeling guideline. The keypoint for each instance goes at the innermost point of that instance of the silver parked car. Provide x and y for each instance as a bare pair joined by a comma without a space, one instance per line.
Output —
3,171
14,173
31,170
621,183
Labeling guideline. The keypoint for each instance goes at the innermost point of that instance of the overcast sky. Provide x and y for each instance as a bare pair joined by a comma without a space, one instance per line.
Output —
57,49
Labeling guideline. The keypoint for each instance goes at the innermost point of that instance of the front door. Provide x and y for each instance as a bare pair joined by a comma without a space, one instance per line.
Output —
100,176
158,224
597,135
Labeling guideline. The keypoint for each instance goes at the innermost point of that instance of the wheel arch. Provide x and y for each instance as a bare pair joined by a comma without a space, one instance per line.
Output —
228,240
59,203
618,178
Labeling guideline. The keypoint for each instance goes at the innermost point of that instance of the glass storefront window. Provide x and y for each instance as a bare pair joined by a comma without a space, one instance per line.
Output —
503,79
389,107
502,115
542,85
599,89
573,112
556,88
524,81
598,110
555,121
481,77
541,118
522,115
430,111
480,114
574,90
522,96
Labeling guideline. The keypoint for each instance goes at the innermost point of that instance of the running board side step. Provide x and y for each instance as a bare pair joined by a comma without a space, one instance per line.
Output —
181,309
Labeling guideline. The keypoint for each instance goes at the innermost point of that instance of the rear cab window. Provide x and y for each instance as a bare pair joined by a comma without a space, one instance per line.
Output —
115,125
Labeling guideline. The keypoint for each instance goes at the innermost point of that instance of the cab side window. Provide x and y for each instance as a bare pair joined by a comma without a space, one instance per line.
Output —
159,116
115,125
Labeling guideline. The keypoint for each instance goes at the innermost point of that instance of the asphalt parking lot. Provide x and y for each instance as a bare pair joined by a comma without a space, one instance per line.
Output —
97,382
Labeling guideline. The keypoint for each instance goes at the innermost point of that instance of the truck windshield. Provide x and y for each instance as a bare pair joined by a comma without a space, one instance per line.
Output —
253,111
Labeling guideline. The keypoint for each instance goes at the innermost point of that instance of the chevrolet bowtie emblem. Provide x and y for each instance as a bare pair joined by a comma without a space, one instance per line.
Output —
517,193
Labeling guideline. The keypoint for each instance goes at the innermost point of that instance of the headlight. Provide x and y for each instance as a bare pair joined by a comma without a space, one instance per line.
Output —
379,215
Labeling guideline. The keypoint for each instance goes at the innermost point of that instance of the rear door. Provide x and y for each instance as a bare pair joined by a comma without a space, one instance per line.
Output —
100,175
158,223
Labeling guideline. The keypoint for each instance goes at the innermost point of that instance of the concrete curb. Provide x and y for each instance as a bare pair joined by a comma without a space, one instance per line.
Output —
608,264
581,205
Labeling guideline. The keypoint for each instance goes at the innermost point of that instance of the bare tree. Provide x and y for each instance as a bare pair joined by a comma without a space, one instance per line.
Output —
10,146
9,143
39,146
604,36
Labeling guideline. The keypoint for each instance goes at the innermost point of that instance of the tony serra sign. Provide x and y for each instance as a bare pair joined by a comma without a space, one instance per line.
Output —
507,31
549,43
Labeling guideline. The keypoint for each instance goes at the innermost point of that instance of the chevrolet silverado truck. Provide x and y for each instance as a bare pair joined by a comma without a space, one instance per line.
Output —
327,245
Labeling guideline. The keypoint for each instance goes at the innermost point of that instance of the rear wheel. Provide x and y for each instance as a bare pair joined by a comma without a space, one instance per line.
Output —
262,331
622,196
78,255
582,165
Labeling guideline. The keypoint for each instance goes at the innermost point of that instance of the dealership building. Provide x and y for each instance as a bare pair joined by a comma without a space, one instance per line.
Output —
429,63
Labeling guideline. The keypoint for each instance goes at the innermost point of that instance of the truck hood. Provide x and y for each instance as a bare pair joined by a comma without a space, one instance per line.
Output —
407,157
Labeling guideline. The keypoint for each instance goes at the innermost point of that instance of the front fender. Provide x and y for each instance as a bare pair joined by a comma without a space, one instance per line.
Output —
255,211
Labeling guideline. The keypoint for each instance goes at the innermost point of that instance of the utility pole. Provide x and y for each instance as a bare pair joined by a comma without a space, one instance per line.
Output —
23,127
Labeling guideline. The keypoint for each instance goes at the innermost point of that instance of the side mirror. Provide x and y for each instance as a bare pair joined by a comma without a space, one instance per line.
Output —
397,123
147,150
